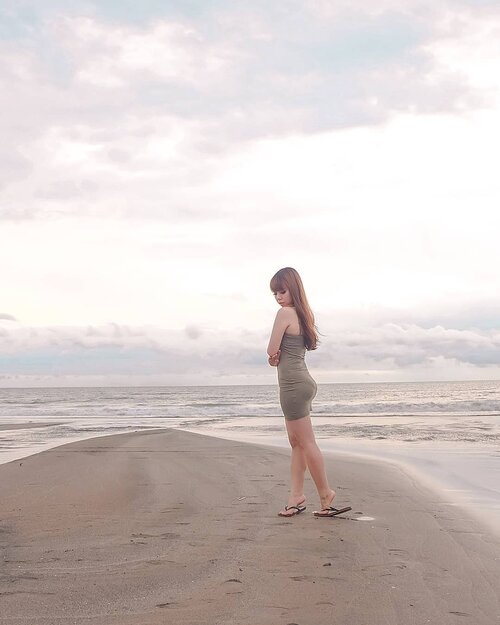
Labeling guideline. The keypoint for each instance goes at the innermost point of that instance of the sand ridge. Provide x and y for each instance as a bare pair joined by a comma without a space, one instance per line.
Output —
174,527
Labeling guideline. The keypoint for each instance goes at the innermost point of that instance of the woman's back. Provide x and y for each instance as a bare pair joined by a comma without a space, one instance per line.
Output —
292,355
294,327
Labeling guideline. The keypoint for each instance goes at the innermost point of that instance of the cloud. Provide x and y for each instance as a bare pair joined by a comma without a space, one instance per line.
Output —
7,317
137,353
408,345
160,159
193,332
121,102
114,56
118,350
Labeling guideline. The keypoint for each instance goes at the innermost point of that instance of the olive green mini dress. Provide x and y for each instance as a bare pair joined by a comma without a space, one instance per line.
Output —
297,387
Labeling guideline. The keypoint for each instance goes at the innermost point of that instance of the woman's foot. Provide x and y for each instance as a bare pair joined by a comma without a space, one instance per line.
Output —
327,510
293,507
327,500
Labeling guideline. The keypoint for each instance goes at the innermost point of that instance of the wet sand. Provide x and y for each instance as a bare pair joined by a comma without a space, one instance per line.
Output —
174,527
25,426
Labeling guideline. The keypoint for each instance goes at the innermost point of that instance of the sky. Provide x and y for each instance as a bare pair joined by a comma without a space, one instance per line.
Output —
160,161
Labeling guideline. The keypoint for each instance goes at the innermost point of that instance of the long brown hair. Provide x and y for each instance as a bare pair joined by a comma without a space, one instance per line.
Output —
289,279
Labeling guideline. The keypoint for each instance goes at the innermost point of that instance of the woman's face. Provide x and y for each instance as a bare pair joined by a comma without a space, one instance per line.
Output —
283,297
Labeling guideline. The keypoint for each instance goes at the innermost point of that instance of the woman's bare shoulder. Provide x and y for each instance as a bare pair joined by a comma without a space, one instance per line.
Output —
287,312
289,317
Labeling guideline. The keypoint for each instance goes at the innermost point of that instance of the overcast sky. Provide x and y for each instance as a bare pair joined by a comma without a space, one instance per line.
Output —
161,160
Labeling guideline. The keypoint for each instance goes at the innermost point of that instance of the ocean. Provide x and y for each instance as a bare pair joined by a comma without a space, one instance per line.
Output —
448,433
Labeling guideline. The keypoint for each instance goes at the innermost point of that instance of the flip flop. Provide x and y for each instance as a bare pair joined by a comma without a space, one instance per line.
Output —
298,510
331,511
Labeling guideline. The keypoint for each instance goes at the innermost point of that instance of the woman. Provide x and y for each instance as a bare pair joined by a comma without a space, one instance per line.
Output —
294,332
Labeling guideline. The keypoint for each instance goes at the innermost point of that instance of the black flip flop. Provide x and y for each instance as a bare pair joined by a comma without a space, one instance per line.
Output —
298,510
331,511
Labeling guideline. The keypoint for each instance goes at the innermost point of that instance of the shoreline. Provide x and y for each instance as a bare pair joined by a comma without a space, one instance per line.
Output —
169,526
463,475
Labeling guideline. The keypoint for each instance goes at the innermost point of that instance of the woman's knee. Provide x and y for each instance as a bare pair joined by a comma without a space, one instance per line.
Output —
305,443
300,433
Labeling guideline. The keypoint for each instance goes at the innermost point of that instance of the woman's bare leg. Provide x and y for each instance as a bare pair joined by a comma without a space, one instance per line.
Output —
300,430
298,468
297,473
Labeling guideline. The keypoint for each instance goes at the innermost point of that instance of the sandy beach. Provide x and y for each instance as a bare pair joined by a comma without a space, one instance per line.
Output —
174,527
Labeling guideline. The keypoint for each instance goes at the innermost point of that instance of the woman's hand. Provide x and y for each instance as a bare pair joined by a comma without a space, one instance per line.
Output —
275,359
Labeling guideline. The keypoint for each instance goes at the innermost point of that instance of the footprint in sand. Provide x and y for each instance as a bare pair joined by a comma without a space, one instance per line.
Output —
394,551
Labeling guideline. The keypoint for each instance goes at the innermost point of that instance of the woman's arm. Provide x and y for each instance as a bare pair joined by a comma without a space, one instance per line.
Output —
284,317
